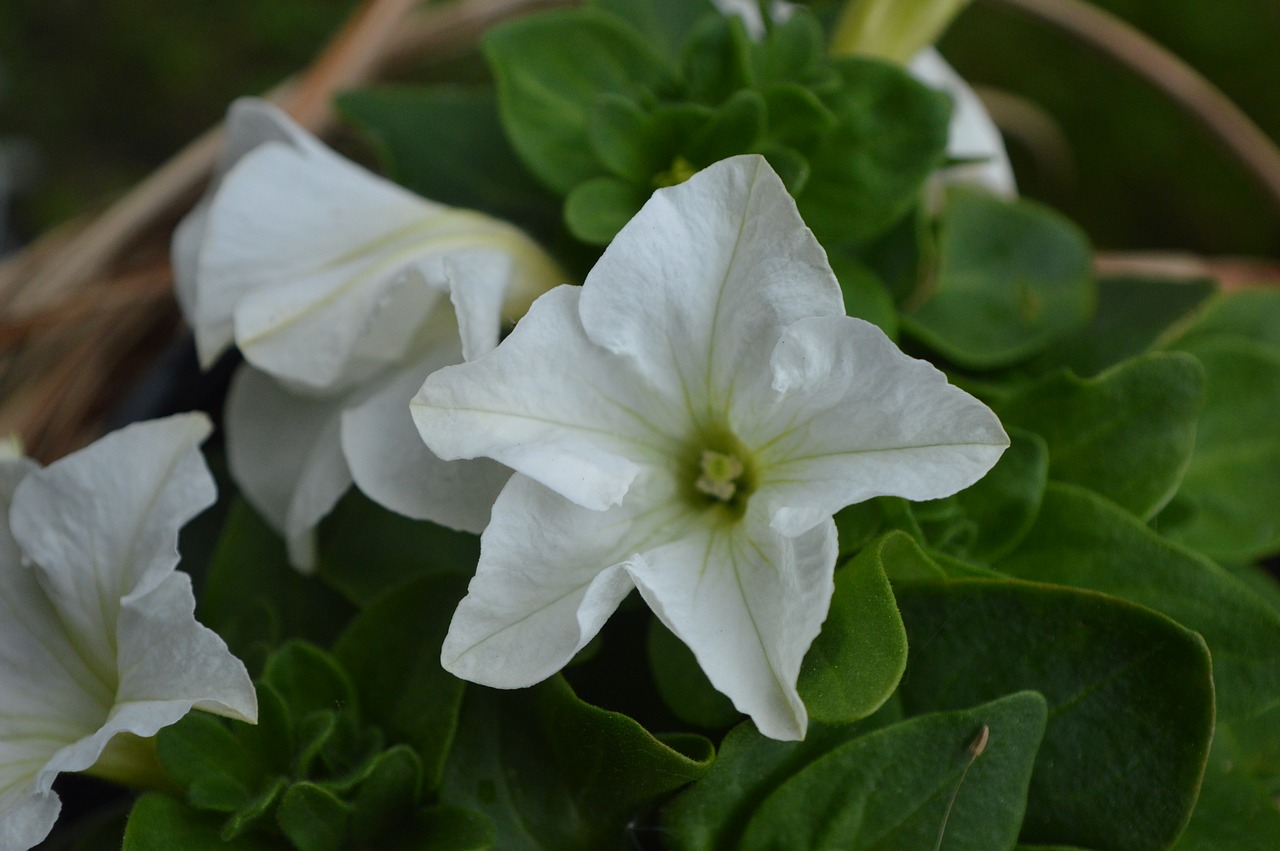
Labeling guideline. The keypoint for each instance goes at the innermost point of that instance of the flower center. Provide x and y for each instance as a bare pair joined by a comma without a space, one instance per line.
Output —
719,472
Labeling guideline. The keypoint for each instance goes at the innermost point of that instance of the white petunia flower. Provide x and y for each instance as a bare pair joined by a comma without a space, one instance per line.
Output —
343,291
99,647
686,423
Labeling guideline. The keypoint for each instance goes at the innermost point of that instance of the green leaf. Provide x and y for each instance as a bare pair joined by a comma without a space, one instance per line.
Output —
1003,504
550,68
856,661
904,561
447,144
794,50
717,60
1084,541
958,777
255,600
313,818
366,550
1012,277
1127,434
392,652
683,686
552,772
210,763
664,23
712,813
1229,502
630,142
796,115
1233,812
867,172
309,680
1130,700
160,823
1252,314
735,128
1132,314
598,208
446,829
865,296
387,796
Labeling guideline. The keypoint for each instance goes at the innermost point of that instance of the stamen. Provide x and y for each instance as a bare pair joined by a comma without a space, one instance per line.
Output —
720,473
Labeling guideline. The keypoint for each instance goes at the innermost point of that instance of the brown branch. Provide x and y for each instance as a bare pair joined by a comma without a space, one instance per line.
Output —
1232,273
1180,82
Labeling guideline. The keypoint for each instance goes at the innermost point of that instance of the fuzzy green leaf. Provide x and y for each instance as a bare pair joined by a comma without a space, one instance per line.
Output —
160,823
856,661
1127,434
1084,541
1130,699
867,172
1229,502
392,652
552,772
550,68
958,777
1012,277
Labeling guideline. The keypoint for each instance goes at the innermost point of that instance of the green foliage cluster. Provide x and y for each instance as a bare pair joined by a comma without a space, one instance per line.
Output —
1079,652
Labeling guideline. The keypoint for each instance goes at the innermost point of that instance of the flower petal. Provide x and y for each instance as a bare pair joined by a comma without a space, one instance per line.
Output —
250,122
552,405
854,418
748,602
392,466
299,246
285,452
104,521
169,663
26,816
549,576
699,285
972,134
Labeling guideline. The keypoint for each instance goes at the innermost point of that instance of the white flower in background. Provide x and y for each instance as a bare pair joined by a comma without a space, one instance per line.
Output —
99,648
973,140
686,423
343,291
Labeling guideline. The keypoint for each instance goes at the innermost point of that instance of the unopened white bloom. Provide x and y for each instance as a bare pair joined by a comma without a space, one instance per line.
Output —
686,423
342,291
99,647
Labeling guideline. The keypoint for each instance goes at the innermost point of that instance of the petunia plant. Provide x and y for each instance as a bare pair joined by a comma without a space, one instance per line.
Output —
691,443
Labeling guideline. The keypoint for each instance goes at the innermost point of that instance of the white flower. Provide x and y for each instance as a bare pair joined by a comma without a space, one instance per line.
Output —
99,648
343,291
686,423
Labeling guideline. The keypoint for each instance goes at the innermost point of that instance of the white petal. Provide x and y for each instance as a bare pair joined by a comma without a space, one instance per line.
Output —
294,241
748,602
169,663
972,134
393,467
698,286
91,557
26,817
250,122
550,574
104,521
284,450
552,405
854,418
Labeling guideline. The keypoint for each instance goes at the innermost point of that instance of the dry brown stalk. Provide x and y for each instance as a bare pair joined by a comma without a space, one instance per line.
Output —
1181,83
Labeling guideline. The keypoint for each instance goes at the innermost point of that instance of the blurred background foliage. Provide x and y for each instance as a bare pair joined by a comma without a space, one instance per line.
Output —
105,92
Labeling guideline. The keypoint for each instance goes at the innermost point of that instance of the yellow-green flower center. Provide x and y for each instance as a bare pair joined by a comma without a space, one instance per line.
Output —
718,472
